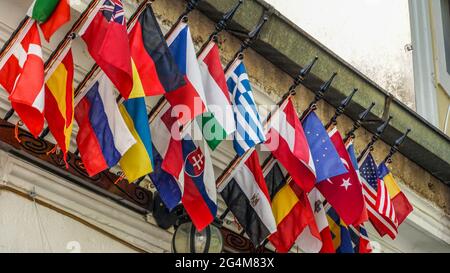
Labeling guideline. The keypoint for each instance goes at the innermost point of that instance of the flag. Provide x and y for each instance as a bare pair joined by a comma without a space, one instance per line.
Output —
287,142
379,206
344,192
22,76
59,95
360,239
167,157
326,160
190,97
249,131
154,69
291,209
401,205
103,137
138,160
199,193
50,14
105,34
218,123
340,233
167,186
247,197
309,243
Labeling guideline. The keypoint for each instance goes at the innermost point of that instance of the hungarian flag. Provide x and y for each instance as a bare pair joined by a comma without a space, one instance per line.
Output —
310,242
50,14
291,209
218,123
400,202
191,96
288,144
344,192
154,69
22,76
59,95
247,197
106,37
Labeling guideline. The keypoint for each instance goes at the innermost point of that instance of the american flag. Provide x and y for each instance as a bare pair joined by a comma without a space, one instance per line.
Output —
379,206
113,11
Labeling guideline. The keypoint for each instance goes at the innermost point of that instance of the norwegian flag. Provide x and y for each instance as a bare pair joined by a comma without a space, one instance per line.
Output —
379,205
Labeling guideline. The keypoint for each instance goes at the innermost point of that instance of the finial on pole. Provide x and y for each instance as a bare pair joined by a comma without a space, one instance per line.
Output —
394,148
254,34
361,117
375,137
340,109
301,77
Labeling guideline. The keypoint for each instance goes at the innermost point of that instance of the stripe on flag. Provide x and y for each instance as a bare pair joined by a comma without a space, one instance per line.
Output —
249,131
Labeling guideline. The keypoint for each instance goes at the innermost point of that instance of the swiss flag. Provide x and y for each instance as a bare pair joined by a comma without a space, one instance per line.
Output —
105,34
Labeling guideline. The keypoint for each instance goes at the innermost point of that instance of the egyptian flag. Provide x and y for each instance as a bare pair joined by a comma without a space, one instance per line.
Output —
291,209
59,95
154,69
288,144
106,37
190,96
247,197
50,14
103,137
22,76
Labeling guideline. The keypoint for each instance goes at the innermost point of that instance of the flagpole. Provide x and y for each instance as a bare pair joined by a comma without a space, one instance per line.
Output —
375,137
340,110
299,79
394,148
8,44
357,124
219,27
60,47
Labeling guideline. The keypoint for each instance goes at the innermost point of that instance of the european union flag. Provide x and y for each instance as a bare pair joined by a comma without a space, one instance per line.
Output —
326,159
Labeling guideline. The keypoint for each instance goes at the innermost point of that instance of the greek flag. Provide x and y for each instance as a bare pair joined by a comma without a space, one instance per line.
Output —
249,131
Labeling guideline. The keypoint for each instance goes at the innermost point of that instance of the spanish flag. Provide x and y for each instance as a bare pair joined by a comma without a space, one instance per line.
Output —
138,160
59,95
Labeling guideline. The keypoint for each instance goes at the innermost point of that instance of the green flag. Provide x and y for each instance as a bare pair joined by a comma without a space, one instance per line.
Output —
41,10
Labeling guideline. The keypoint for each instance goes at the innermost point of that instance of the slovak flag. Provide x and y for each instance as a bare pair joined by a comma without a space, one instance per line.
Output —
105,34
192,94
287,142
199,194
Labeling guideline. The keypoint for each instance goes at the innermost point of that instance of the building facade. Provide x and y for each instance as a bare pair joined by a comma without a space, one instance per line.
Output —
46,208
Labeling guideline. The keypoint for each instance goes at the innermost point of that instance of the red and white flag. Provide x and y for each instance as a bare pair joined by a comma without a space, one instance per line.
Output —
216,89
22,76
105,34
346,188
311,242
287,142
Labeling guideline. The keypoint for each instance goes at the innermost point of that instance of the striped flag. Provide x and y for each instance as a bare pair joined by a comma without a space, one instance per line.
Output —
59,96
22,76
360,239
288,144
379,205
218,123
249,130
247,197
103,137
340,233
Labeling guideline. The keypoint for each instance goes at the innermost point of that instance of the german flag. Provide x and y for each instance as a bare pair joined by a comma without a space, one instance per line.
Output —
59,106
291,209
154,69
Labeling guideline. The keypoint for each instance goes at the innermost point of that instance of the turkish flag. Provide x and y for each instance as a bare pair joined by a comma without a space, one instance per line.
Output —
344,192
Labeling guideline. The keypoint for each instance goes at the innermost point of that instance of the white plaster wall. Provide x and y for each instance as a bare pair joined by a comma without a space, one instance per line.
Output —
26,227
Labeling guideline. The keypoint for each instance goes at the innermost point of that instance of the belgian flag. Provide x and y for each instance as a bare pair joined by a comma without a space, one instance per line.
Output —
154,69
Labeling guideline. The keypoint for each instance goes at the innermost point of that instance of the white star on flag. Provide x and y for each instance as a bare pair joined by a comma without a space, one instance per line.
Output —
346,183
